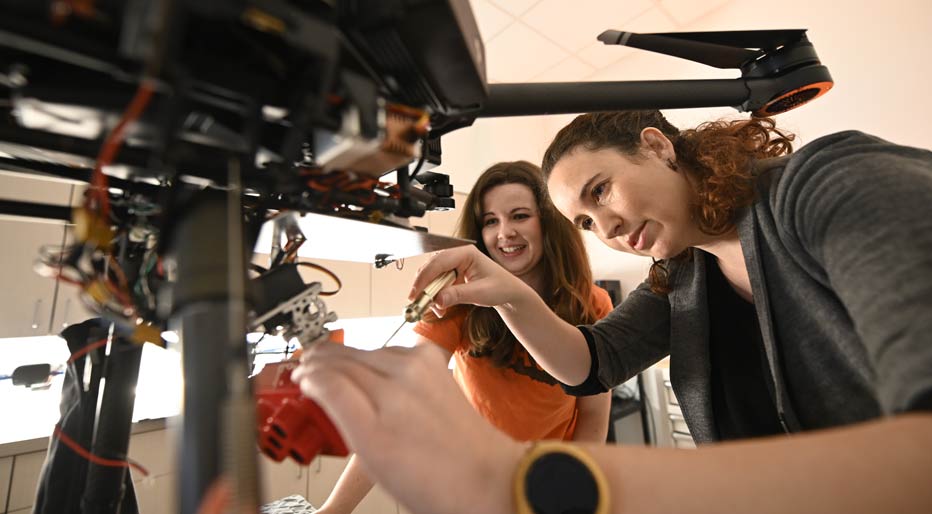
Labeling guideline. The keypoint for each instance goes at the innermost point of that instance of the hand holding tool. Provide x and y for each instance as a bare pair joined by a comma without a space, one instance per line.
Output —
416,309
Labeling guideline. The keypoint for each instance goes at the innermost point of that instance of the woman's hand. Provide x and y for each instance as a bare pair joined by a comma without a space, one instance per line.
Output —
481,281
415,433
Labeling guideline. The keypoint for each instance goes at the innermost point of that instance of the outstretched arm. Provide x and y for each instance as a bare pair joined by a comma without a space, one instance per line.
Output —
376,397
556,345
351,488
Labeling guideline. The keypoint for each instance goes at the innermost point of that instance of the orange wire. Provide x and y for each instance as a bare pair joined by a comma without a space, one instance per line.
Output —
118,271
112,145
90,457
121,290
90,347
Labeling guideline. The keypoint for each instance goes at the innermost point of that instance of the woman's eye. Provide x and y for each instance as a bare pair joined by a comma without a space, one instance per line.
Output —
586,224
521,216
490,221
598,191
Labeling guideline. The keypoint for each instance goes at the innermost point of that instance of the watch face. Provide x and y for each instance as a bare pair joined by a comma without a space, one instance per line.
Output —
559,483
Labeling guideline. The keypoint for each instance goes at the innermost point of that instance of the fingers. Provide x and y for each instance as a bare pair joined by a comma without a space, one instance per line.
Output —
478,292
454,258
362,390
348,392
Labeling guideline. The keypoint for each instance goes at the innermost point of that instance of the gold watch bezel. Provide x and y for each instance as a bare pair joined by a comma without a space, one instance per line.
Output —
541,448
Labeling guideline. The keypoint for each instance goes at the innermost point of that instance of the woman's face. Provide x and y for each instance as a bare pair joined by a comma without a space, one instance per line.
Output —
640,207
511,229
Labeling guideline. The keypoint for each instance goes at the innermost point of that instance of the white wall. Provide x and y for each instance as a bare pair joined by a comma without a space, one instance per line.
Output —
470,151
876,52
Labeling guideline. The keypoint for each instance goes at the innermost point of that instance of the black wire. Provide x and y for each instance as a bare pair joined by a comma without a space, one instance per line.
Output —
420,161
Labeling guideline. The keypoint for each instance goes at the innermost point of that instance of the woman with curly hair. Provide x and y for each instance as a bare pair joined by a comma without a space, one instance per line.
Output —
792,292
513,222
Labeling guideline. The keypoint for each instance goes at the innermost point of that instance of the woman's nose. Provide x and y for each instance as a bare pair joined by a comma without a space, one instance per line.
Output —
506,230
606,226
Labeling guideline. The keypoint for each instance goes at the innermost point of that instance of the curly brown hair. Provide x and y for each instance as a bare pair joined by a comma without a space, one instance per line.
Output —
717,156
568,275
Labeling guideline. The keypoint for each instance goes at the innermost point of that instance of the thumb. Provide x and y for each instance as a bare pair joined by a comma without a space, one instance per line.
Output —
472,293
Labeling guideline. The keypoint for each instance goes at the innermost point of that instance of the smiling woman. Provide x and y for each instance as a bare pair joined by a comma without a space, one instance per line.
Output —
510,215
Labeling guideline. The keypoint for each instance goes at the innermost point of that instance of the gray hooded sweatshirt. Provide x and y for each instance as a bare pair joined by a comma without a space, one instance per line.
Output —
838,247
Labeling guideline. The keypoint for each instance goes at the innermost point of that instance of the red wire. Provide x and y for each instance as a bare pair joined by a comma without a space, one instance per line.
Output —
90,347
112,145
90,457
67,280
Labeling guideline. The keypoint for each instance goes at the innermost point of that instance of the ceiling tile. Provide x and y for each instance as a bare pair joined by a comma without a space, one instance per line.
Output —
515,7
576,25
491,19
601,55
519,53
570,69
685,12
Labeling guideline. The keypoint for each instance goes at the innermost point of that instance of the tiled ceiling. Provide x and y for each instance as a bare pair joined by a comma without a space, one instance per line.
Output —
555,40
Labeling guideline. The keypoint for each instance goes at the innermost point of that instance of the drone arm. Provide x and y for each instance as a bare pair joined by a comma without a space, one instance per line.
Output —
577,97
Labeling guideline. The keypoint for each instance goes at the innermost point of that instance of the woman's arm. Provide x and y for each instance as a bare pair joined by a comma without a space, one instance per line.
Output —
592,424
860,210
881,466
556,345
376,397
351,488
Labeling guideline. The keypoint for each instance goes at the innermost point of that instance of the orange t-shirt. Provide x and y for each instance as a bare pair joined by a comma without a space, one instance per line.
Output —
521,400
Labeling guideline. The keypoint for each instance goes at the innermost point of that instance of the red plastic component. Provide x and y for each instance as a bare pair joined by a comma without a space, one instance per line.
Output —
290,424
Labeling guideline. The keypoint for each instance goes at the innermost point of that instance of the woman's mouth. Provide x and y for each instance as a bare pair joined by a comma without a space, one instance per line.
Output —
512,250
636,239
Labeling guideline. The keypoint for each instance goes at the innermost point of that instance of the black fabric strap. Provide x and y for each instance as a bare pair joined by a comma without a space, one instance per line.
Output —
592,385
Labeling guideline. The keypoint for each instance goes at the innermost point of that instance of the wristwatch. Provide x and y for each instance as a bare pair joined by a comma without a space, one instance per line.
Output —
555,477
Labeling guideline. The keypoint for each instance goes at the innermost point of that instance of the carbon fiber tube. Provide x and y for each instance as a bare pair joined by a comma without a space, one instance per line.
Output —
576,97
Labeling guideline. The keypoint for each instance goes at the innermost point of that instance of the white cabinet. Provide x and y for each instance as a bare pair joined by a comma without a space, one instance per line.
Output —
30,188
156,450
69,308
676,423
281,479
157,494
6,470
26,299
323,474
26,469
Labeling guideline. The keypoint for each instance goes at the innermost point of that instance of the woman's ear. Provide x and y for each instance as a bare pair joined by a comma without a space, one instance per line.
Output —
653,140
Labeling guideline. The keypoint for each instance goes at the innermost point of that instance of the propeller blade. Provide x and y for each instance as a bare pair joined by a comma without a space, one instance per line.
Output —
762,39
719,56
